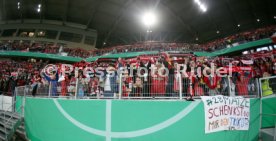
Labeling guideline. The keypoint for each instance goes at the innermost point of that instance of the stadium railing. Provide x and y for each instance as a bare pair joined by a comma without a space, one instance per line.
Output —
172,86
267,90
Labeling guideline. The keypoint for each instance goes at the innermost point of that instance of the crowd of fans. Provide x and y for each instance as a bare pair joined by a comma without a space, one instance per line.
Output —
141,83
149,46
147,84
43,48
230,41
240,38
18,73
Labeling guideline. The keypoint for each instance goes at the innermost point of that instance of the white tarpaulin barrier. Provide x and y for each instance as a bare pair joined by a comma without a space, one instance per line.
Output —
226,113
6,103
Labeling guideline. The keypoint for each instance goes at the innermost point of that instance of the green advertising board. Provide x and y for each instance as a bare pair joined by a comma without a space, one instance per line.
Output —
126,120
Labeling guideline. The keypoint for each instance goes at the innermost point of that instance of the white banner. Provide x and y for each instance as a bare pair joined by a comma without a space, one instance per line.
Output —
6,103
226,113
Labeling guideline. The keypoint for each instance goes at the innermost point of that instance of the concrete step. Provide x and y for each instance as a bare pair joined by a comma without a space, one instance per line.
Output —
3,131
21,127
9,114
2,136
21,131
8,119
268,134
7,122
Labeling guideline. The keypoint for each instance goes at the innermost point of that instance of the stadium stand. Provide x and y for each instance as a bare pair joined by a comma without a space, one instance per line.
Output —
227,42
87,70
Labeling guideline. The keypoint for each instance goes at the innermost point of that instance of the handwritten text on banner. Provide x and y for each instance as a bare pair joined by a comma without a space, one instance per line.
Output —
226,113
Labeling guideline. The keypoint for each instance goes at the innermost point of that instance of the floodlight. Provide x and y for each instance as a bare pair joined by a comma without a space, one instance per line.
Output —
197,1
18,5
203,7
149,19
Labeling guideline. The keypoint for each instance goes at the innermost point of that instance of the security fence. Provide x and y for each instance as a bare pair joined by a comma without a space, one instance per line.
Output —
173,86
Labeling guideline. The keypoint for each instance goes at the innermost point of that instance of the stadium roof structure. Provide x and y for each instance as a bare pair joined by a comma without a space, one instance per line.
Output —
119,21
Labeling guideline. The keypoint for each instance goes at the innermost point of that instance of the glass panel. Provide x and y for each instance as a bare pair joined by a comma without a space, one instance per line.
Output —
245,52
71,37
62,44
49,34
89,40
262,49
26,32
9,32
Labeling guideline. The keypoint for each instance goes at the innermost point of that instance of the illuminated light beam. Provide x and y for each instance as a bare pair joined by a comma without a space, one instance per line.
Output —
149,19
201,5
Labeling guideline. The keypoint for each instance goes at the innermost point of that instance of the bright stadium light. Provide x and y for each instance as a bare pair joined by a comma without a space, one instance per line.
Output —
201,5
239,25
203,8
149,19
18,5
198,2
38,8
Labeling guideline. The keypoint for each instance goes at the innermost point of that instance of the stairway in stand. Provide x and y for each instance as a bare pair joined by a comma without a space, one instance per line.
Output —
9,122
268,134
21,133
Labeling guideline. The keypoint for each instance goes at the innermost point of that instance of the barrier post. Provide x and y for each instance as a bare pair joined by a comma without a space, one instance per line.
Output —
23,101
261,107
77,88
229,86
14,99
2,96
50,89
258,87
180,86
120,85
191,86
